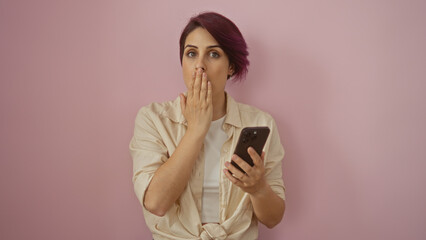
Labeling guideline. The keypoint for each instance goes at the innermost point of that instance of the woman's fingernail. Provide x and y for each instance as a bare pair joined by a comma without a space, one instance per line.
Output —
204,75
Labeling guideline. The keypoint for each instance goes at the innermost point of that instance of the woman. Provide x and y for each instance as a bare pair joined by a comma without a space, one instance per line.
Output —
182,149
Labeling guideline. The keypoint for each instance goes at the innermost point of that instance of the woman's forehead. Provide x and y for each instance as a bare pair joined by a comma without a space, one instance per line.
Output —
200,37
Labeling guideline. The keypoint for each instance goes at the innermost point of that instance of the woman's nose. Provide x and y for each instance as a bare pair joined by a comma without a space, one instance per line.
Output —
200,64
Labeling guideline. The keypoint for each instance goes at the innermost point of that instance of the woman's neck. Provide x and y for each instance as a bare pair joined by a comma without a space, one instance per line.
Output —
219,106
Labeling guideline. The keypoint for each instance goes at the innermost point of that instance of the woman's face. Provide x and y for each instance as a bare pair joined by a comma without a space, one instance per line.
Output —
201,50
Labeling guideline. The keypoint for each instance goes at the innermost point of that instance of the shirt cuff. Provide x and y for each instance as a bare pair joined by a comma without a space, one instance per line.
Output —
278,187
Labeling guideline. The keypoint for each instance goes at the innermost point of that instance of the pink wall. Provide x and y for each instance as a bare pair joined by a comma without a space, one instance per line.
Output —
345,81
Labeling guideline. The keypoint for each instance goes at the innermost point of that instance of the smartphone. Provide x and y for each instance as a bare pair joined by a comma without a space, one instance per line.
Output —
250,137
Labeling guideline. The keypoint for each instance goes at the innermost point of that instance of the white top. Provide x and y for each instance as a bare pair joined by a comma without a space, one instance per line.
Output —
212,146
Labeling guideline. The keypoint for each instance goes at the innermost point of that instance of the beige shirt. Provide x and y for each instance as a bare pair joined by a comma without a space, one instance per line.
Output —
159,127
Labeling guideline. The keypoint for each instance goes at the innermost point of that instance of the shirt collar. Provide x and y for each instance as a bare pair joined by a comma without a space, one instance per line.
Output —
232,112
174,112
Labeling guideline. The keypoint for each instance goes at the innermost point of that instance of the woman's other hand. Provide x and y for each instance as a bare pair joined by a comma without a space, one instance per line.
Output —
197,106
253,181
267,205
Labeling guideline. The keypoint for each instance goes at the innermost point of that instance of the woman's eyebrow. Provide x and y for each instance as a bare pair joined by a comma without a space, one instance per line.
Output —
191,46
212,46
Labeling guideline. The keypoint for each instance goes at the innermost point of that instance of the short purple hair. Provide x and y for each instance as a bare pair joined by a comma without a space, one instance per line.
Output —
227,34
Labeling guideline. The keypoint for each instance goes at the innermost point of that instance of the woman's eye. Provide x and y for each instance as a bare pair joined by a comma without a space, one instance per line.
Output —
214,54
191,54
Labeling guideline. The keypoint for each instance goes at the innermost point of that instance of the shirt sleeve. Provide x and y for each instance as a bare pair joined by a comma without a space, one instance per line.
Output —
274,154
148,153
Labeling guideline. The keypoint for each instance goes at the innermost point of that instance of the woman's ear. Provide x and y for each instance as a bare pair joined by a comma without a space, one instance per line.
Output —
231,70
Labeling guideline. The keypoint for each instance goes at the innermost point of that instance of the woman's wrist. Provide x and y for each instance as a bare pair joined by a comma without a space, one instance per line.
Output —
195,135
262,190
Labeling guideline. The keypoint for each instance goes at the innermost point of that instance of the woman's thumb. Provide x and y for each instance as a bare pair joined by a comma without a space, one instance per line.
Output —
182,102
